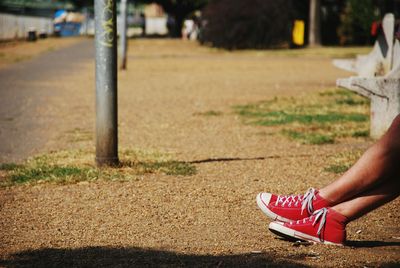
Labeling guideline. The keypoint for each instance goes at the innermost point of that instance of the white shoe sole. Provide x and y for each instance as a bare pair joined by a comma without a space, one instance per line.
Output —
279,229
262,205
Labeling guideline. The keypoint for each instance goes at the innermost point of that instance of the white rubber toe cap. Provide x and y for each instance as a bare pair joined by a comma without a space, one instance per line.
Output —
263,200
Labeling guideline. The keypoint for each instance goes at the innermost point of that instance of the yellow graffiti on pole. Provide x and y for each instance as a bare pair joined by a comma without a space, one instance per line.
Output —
108,24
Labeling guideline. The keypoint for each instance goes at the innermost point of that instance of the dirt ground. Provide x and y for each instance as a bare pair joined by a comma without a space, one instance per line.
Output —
208,219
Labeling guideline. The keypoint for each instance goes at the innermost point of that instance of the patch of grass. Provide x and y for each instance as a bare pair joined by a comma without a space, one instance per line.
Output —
336,92
9,166
140,155
313,119
50,173
309,138
340,163
75,166
167,167
282,117
209,113
337,169
350,101
360,133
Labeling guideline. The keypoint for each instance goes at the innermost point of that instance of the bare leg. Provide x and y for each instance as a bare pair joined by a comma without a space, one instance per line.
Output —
377,166
369,200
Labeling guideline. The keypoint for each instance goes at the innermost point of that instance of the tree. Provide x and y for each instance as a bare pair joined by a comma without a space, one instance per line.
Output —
356,20
179,10
238,24
83,3
314,37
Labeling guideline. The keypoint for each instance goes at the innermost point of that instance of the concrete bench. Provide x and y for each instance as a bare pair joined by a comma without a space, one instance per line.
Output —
379,60
378,77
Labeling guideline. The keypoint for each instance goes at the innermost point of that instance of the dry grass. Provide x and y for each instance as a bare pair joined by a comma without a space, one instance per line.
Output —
328,52
64,167
79,135
209,113
314,118
341,162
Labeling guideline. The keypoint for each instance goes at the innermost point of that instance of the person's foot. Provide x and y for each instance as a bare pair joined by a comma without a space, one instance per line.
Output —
325,226
290,207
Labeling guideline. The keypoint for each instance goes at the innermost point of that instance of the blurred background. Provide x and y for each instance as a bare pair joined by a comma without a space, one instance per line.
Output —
229,24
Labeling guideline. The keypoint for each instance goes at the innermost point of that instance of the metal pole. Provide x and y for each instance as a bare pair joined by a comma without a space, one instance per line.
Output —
123,37
106,83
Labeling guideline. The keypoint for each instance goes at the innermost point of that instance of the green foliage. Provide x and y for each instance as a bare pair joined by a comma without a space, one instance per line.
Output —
314,119
356,20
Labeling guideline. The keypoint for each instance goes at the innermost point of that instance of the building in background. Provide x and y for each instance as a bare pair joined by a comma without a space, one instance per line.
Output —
155,20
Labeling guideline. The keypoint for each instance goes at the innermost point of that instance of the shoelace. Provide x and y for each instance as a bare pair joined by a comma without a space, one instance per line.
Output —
309,196
306,200
288,199
318,214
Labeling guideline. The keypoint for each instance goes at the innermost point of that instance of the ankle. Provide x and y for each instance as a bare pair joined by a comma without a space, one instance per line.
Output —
325,196
337,215
321,202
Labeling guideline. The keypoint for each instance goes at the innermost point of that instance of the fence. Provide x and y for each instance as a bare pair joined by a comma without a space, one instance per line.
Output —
17,26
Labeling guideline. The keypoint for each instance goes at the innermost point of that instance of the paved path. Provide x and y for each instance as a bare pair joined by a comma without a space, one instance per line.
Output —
25,93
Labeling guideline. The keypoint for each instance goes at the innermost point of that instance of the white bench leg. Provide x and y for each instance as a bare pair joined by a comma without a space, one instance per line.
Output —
385,99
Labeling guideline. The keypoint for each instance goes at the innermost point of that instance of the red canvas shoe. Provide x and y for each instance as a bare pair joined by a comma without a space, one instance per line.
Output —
290,207
325,226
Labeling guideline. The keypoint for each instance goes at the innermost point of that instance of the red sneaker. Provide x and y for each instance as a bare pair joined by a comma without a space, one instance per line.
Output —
290,207
324,226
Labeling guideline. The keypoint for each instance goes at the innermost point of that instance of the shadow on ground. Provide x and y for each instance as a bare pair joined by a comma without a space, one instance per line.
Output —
138,257
371,244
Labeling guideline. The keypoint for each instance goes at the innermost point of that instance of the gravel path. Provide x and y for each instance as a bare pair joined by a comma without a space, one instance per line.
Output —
30,93
209,219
